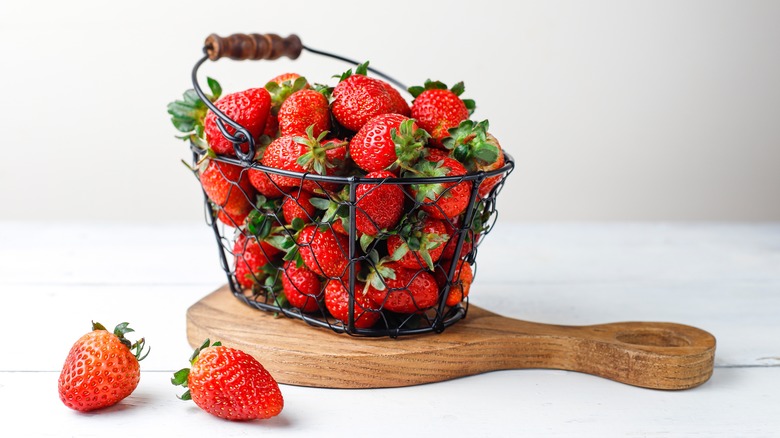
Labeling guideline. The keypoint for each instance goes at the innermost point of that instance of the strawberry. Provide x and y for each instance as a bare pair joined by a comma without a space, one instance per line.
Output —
302,109
230,384
301,155
271,127
365,312
302,287
437,109
228,187
468,243
379,207
101,369
441,200
298,205
323,251
387,141
249,108
252,259
419,243
489,183
263,183
401,290
231,220
461,281
478,150
358,98
285,77
398,103
280,88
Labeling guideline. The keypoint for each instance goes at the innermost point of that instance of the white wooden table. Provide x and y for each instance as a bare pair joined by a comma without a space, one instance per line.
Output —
725,278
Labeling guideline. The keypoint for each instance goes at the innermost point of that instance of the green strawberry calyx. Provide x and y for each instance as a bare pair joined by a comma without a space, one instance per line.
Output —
180,377
414,238
280,92
361,69
456,89
470,144
137,347
432,191
409,144
378,271
316,159
189,112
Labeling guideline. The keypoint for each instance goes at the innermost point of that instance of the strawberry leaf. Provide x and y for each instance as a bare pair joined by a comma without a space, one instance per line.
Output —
416,90
458,88
180,377
216,89
362,69
470,105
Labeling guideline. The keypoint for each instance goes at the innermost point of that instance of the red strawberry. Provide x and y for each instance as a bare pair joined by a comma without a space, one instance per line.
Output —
302,109
248,108
478,150
323,251
337,302
379,206
251,257
402,290
419,243
262,182
461,281
298,205
230,220
387,141
227,186
285,77
299,155
101,369
336,154
302,287
441,200
468,242
230,384
438,109
487,185
271,127
358,98
399,105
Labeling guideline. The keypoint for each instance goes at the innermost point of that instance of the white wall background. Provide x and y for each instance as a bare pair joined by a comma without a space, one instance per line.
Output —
614,110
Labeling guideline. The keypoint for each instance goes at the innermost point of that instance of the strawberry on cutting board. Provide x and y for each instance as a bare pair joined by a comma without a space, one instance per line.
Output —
101,368
230,384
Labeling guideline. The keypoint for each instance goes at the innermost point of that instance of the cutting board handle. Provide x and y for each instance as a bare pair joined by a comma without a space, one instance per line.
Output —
658,355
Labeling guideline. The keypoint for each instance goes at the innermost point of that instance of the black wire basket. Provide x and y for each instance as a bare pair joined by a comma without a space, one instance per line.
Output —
279,287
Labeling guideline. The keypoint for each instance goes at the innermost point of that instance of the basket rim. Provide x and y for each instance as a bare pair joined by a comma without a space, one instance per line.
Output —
509,164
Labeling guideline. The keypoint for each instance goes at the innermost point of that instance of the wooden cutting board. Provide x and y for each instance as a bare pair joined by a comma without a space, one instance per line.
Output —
648,354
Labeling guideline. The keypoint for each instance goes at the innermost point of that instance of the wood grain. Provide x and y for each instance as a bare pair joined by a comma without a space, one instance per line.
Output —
647,354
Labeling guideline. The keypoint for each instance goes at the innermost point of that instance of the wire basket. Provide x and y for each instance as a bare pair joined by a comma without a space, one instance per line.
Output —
338,296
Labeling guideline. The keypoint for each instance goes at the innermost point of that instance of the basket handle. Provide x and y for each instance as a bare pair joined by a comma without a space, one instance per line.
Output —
252,46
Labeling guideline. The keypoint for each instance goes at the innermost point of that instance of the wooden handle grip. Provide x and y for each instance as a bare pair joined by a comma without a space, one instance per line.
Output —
649,354
254,46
